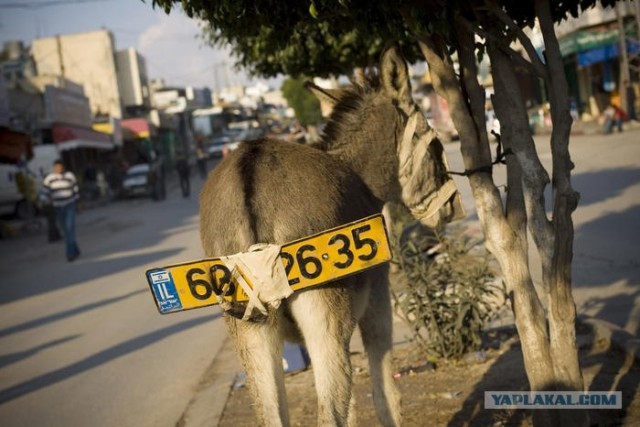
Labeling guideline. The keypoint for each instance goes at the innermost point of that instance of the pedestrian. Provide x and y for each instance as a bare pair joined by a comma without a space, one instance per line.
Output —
631,100
613,115
202,162
50,214
182,167
61,188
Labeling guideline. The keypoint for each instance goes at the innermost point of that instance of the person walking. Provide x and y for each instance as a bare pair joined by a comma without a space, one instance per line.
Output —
62,189
182,167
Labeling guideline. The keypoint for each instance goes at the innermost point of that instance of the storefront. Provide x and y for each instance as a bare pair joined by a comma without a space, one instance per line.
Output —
592,65
85,151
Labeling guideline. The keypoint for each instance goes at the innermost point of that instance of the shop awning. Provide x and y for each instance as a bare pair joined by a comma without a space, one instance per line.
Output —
14,146
603,53
67,137
139,128
585,40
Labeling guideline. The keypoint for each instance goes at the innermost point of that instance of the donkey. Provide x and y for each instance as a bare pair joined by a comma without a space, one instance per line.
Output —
272,191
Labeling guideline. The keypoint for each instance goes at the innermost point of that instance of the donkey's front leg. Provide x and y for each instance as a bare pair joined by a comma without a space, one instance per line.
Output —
326,321
260,348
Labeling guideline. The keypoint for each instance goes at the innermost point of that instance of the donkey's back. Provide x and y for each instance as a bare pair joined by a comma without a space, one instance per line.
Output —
272,191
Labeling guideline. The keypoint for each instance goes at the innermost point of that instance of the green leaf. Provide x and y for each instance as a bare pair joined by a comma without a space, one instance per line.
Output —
313,11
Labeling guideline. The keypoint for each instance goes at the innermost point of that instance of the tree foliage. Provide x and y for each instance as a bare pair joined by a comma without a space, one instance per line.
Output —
305,105
331,37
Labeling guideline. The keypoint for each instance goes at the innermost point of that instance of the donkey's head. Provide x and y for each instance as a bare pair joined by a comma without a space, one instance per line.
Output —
381,132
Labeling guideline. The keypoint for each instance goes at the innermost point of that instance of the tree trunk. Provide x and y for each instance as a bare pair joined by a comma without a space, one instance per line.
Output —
550,357
507,244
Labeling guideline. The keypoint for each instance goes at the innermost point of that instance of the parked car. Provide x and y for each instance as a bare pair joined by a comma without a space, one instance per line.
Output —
145,179
216,147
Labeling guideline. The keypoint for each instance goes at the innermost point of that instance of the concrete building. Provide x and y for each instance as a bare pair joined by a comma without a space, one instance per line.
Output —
133,82
85,58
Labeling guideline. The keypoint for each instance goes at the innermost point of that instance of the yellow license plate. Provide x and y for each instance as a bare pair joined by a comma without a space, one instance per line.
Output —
311,261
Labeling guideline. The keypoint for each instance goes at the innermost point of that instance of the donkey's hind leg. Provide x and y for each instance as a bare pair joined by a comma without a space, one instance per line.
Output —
376,330
326,321
260,348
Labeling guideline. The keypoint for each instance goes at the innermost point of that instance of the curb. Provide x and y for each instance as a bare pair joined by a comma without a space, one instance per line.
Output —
613,336
207,406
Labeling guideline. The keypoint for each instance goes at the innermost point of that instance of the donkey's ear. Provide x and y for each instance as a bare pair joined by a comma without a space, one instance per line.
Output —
395,75
325,96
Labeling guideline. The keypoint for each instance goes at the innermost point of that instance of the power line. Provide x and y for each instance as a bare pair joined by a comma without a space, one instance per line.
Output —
49,3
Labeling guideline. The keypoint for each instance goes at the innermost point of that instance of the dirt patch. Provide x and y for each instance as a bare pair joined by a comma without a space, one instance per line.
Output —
452,394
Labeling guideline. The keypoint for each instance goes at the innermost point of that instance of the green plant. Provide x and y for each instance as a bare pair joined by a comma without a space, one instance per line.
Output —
450,292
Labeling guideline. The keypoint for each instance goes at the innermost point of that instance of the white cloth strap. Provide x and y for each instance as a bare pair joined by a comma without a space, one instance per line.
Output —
261,274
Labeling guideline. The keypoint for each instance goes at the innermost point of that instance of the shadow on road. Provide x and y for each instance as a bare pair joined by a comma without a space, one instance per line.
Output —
598,186
9,359
86,270
99,359
65,314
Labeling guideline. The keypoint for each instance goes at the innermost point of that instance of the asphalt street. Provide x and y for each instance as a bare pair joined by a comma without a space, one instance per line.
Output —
606,262
82,344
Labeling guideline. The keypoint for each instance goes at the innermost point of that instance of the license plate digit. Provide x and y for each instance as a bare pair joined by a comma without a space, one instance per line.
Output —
309,265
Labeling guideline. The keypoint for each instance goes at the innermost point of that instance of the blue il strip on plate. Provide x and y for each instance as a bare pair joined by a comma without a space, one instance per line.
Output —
165,291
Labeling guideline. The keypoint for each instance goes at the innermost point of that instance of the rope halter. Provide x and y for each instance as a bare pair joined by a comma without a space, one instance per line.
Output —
412,151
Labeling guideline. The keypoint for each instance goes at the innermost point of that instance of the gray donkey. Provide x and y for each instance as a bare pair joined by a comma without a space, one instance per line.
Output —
377,147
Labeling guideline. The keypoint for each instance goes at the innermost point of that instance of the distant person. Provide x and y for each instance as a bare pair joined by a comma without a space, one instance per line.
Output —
182,167
91,181
61,187
201,155
202,161
631,100
613,115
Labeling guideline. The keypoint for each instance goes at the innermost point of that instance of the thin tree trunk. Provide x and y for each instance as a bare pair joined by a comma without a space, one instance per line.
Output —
502,240
562,309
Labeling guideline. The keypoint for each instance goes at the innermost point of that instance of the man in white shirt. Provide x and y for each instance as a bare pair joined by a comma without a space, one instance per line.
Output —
62,189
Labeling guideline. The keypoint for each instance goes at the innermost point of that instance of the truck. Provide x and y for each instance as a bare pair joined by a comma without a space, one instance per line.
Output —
12,202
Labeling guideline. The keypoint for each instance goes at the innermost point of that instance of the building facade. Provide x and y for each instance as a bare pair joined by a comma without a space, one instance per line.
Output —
87,59
133,82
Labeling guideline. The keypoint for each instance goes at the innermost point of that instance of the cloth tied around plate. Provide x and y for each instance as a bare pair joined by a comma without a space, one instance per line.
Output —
261,275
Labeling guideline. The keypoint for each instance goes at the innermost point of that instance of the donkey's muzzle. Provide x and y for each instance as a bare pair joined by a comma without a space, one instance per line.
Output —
440,207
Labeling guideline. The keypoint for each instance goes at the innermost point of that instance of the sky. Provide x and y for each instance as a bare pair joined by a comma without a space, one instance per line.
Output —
168,42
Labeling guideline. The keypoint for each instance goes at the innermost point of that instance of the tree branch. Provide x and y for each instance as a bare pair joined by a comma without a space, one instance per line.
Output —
536,69
496,10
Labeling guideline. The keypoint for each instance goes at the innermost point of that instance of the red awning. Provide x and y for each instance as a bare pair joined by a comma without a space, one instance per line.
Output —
68,137
140,128
14,145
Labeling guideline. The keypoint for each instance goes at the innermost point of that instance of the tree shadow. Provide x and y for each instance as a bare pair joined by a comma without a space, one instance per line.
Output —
610,245
507,373
119,229
472,411
598,186
67,313
71,274
99,359
9,359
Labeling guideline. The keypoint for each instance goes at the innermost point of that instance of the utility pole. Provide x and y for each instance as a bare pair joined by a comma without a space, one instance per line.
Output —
624,57
61,60
635,62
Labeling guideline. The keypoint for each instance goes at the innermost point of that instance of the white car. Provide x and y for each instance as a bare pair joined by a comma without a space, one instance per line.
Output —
136,181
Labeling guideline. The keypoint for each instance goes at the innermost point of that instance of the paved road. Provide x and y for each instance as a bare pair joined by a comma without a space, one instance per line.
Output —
81,344
606,267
